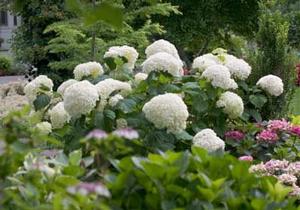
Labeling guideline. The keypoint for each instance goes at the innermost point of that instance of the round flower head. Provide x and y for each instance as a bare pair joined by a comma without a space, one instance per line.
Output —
80,98
232,104
167,111
208,140
89,69
271,84
219,76
140,77
202,62
40,84
125,51
238,68
162,46
108,86
267,136
44,128
113,101
61,89
162,62
287,179
58,116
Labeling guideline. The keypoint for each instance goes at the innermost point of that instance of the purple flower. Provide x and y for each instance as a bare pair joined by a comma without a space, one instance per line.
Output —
296,191
267,136
235,135
51,153
97,134
295,129
278,125
127,133
275,166
248,158
287,179
86,188
293,168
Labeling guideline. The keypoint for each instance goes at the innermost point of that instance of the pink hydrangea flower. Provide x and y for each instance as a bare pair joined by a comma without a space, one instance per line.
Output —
278,125
127,133
274,166
248,158
86,188
295,129
267,136
235,135
287,179
97,134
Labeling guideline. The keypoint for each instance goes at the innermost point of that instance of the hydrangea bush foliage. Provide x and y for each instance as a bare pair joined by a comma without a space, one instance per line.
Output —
115,138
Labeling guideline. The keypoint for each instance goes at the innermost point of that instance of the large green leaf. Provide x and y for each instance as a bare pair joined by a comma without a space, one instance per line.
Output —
41,101
258,100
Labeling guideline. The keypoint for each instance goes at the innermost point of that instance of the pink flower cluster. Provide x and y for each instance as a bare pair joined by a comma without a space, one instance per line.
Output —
274,128
247,158
268,136
127,133
278,125
235,135
286,172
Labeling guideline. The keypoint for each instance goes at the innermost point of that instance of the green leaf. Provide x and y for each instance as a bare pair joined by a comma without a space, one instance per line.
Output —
126,105
41,101
184,136
258,100
75,157
110,62
109,114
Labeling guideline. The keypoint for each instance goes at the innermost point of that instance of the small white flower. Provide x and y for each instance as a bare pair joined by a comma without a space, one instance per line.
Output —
61,89
238,68
121,123
140,77
41,84
202,62
80,98
113,101
232,104
44,128
219,76
108,86
271,84
89,69
208,140
123,51
58,116
167,111
162,62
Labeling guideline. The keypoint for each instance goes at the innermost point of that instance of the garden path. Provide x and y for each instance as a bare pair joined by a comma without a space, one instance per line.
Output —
7,79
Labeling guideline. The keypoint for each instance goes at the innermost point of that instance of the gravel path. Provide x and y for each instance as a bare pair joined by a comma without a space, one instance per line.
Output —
7,79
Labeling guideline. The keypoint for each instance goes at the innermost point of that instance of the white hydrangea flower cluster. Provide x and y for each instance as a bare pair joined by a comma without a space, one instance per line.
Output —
63,86
162,46
219,76
44,128
59,116
80,98
163,62
208,139
140,77
271,84
238,68
113,101
123,51
106,87
40,84
232,104
167,111
202,62
89,69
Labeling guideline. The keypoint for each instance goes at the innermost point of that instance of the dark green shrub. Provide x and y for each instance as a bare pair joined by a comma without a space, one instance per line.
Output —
5,63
